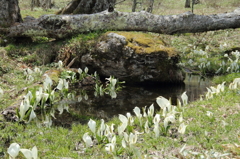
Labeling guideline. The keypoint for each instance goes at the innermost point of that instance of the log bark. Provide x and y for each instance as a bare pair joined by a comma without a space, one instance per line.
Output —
61,26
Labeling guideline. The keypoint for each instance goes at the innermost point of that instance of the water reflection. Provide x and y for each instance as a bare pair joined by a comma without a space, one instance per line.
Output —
131,96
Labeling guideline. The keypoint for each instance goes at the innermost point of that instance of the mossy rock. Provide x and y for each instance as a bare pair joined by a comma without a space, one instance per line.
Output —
134,57
146,43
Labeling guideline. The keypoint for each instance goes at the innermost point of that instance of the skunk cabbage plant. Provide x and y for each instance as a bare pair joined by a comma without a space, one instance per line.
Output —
1,92
156,121
137,112
87,139
146,127
101,129
92,126
164,104
110,147
30,154
184,98
182,128
129,139
150,111
170,118
124,124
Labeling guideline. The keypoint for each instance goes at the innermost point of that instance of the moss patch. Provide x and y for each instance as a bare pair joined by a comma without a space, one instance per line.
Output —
53,74
145,43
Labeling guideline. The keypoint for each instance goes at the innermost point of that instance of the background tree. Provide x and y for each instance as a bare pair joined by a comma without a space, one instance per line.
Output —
187,4
134,5
147,6
150,6
9,13
46,4
86,6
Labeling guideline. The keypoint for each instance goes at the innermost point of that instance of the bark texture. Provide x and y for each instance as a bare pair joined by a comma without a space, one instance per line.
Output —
60,26
9,13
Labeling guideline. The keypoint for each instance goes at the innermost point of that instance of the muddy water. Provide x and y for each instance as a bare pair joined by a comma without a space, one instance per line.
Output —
131,96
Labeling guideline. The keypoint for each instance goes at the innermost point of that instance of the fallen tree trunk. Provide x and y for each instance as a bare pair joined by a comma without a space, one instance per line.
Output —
60,26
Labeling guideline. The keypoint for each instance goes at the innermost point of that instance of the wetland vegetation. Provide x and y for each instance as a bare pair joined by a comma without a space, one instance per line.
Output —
206,128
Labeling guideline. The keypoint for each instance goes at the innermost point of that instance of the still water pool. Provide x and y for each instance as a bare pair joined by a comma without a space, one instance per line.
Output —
130,97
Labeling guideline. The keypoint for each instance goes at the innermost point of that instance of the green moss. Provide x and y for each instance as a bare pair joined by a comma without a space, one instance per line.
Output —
33,32
146,43
54,74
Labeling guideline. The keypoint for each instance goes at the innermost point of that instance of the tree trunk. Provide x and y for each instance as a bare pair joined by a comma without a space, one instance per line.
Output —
61,26
9,13
193,2
134,5
45,4
35,3
150,6
197,2
187,4
86,6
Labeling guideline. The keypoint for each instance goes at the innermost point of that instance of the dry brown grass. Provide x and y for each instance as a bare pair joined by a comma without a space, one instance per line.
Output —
161,7
168,7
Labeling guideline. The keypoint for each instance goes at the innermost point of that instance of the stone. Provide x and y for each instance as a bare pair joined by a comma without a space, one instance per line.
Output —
134,57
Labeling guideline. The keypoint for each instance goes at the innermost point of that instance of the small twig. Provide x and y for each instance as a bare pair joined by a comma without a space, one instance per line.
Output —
71,63
193,2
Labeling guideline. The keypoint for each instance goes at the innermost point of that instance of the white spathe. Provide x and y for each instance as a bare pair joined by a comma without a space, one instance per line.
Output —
210,114
130,118
13,150
32,115
24,106
182,128
87,139
86,70
170,118
101,129
137,111
30,154
163,102
151,111
156,119
184,98
1,92
110,147
92,126
146,127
